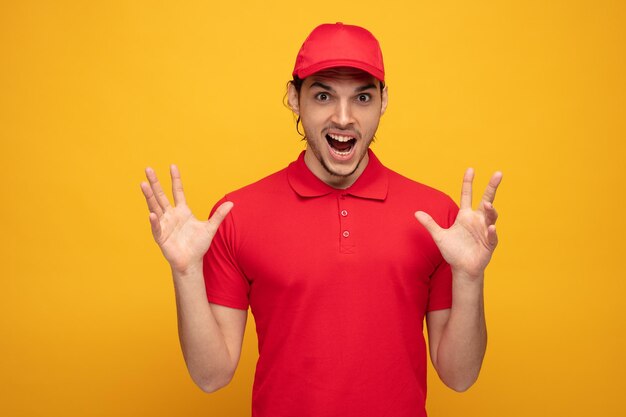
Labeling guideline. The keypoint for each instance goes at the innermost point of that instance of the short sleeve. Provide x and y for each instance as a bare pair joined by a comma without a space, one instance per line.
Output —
224,281
440,289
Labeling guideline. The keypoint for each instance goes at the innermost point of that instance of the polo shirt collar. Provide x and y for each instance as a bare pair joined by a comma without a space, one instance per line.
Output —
372,184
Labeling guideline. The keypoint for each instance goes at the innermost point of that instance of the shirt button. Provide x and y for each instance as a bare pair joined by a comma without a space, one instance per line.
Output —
344,213
346,233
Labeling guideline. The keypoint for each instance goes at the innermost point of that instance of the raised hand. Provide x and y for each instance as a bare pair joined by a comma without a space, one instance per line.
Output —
183,239
469,243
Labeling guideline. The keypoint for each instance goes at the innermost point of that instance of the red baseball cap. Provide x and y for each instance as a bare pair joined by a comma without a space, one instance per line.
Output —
338,45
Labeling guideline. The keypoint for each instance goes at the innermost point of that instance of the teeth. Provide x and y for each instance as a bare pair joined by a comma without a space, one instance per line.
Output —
339,138
345,153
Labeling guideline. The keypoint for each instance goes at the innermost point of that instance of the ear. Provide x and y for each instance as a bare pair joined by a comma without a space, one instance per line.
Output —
383,104
293,99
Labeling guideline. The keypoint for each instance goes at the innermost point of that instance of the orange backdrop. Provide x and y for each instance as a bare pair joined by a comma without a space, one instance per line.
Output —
92,92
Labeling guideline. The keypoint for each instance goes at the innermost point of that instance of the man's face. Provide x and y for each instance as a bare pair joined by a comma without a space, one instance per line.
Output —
340,110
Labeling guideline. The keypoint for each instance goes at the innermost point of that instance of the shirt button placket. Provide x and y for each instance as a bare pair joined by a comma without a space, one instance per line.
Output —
346,238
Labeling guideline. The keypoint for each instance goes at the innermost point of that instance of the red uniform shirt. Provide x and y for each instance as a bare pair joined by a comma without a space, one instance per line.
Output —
338,282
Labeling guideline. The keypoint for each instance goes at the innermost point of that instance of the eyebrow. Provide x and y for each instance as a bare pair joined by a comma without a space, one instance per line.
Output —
365,87
321,85
329,88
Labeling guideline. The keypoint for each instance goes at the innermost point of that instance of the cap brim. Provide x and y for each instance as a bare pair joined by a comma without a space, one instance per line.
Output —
335,63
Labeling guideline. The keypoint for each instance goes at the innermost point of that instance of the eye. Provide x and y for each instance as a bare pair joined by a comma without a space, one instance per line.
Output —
322,96
364,98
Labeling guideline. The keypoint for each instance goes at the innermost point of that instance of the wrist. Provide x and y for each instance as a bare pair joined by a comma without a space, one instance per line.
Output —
189,285
468,284
467,288
468,277
188,272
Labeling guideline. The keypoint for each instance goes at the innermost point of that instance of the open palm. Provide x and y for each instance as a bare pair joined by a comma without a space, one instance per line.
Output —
183,239
469,243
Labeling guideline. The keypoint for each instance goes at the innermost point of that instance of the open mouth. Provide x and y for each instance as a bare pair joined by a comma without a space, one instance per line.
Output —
341,145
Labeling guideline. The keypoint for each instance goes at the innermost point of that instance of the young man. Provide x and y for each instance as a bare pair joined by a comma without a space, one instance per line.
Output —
330,258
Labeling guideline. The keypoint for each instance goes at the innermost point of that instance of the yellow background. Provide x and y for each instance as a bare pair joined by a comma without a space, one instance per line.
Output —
92,92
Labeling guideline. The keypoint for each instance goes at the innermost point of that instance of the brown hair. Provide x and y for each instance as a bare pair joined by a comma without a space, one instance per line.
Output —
297,83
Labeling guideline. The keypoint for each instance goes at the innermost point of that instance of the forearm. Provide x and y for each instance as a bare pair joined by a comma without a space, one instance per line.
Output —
463,342
203,344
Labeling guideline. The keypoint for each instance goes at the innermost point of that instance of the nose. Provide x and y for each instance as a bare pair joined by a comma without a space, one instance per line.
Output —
343,115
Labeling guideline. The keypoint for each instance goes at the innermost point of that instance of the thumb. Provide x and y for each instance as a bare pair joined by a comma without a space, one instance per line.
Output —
428,222
217,217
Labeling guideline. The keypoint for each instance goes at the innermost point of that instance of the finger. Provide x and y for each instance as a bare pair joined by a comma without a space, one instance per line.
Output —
492,236
155,225
491,215
492,187
177,186
153,206
466,189
160,196
217,217
428,222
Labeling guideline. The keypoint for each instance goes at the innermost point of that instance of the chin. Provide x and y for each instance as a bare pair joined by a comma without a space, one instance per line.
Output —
343,169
